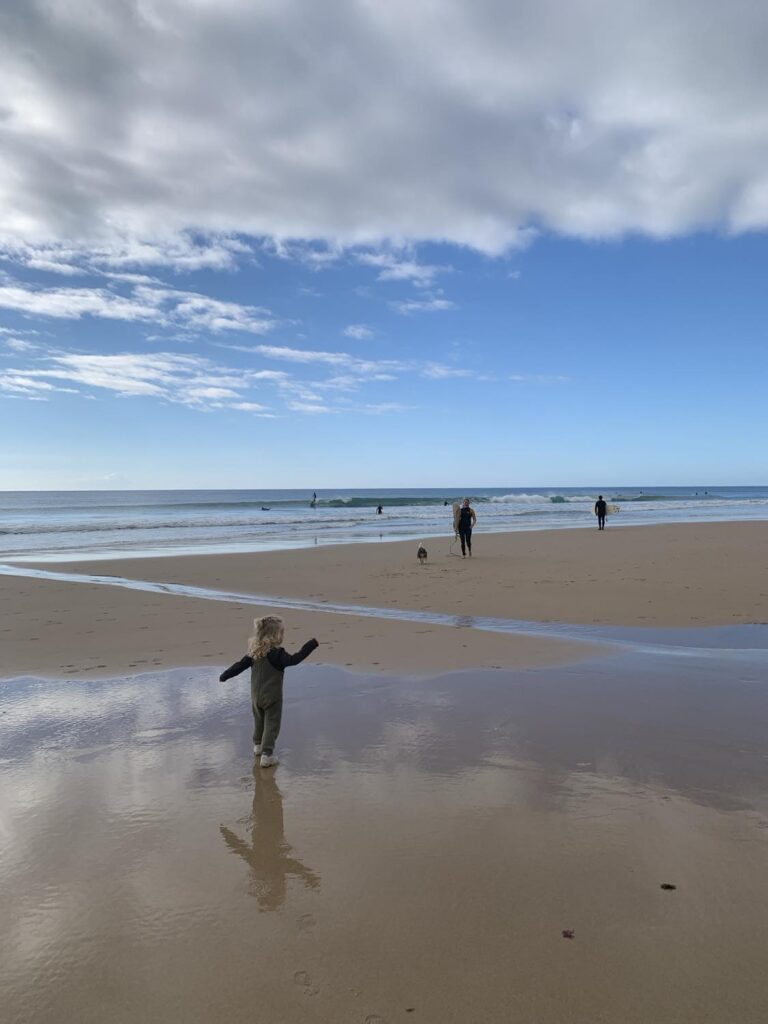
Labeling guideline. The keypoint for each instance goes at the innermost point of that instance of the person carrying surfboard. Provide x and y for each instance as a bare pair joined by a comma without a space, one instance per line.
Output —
466,520
601,510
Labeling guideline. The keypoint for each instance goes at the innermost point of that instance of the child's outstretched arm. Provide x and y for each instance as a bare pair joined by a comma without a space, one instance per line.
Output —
281,659
236,669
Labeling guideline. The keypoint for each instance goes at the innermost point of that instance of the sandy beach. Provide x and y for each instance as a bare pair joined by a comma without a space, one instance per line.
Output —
675,575
439,842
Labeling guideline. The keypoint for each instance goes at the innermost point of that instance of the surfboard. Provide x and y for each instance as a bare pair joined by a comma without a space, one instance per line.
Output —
611,509
456,510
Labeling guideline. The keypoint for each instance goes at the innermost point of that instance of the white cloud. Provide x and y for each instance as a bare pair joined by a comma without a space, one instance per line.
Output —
311,408
18,384
438,371
52,266
19,345
179,251
457,122
145,303
392,268
360,332
539,378
352,364
383,408
430,305
210,392
168,376
248,406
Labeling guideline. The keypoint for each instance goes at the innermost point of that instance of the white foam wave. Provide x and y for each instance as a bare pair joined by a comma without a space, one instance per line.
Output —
540,499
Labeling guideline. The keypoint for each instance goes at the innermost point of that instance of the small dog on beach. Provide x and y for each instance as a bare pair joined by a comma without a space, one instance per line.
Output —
421,554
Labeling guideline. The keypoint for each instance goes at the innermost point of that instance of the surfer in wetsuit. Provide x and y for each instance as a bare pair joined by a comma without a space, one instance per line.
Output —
379,509
600,511
467,520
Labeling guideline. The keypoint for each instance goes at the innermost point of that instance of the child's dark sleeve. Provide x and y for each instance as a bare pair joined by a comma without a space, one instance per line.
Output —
236,669
281,659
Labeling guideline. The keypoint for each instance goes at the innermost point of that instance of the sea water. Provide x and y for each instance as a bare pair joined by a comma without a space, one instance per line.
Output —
68,525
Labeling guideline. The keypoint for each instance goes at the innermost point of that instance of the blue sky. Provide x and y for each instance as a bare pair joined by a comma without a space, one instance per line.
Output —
566,363
499,261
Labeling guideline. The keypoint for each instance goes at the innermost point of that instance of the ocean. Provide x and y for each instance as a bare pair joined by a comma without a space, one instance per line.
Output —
69,525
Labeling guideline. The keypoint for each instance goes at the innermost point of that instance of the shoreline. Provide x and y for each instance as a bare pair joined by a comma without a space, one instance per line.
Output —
276,547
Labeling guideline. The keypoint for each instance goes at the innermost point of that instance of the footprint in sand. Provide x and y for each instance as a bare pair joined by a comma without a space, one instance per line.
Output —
307,922
304,980
374,1018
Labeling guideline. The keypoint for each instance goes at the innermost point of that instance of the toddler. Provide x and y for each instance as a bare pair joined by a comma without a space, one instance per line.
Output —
267,660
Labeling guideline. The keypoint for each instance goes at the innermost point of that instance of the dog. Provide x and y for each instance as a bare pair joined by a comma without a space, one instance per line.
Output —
421,554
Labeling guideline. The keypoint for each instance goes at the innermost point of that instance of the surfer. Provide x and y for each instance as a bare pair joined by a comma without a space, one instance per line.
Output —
467,520
313,503
601,510
379,509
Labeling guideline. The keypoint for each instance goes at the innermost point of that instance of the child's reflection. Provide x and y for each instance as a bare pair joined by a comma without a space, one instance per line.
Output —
268,854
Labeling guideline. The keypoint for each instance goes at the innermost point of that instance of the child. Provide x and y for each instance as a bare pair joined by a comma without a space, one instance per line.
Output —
267,660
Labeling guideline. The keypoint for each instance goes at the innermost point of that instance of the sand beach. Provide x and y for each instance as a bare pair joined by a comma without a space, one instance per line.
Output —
465,825
681,575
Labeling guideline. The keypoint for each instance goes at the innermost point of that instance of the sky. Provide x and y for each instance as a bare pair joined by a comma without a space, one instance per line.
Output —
272,243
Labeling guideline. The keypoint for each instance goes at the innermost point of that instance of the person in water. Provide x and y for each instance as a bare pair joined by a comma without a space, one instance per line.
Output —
467,520
601,510
267,659
379,509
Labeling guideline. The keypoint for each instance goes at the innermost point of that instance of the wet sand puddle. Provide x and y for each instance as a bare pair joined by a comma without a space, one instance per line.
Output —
476,846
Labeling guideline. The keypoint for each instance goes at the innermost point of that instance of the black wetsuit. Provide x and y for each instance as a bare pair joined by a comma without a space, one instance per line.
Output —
601,508
465,529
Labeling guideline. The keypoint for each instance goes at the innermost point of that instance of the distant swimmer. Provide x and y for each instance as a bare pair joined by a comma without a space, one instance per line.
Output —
265,508
313,503
379,509
601,510
467,520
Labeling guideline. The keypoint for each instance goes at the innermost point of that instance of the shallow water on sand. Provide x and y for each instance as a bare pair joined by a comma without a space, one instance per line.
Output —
416,856
734,641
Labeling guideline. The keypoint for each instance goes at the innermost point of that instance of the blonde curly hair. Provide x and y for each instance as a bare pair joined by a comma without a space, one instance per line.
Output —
269,634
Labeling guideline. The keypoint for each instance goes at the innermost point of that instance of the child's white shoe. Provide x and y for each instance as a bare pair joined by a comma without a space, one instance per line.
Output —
257,749
268,760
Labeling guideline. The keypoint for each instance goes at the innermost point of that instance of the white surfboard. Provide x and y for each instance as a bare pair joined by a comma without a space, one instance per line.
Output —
611,509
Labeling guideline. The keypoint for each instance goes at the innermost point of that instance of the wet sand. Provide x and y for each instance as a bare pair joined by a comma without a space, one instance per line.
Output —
685,574
50,628
416,856
680,575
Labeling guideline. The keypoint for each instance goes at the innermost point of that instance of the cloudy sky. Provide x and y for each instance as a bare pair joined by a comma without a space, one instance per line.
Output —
269,243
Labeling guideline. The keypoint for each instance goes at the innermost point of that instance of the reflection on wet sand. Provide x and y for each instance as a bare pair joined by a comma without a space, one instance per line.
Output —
460,825
267,853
